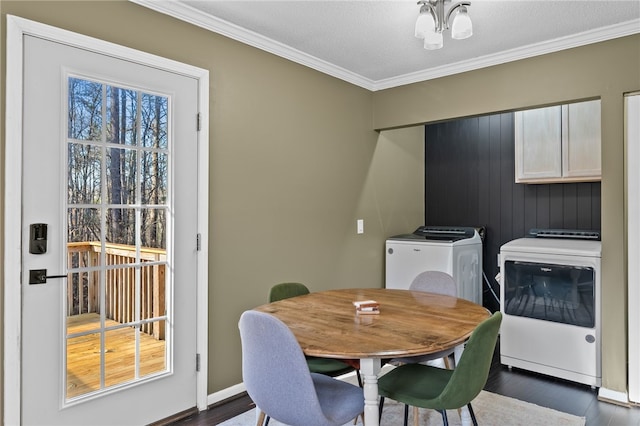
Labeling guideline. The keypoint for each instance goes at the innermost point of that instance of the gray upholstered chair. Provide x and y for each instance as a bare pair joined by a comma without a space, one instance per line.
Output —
432,282
435,282
278,379
328,366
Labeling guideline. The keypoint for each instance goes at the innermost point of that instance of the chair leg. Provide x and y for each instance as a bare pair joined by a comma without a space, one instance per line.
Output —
473,416
447,363
416,416
380,407
359,383
261,419
445,421
406,414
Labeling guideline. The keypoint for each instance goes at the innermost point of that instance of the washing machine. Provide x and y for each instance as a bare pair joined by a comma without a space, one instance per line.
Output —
454,250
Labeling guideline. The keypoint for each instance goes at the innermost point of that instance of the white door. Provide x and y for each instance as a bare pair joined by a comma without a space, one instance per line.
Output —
632,139
109,197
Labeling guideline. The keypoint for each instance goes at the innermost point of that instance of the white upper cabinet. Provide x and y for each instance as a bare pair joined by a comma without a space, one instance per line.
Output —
581,140
538,144
558,144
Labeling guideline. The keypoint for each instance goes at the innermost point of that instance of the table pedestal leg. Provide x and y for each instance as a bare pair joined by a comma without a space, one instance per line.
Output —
369,370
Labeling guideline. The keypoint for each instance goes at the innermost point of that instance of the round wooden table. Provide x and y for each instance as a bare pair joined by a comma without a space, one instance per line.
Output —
409,323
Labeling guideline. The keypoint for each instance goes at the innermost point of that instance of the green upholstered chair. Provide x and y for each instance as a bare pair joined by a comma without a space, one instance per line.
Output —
441,389
287,290
326,366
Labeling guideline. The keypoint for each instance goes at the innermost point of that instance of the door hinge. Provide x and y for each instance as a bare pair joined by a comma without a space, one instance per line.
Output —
197,362
198,243
198,122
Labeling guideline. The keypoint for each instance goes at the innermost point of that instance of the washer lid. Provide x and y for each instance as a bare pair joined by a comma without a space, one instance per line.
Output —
447,234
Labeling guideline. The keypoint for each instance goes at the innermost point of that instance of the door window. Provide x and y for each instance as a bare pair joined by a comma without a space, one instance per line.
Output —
117,228
558,293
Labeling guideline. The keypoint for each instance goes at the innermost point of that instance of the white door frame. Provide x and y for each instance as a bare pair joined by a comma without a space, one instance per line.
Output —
17,28
632,139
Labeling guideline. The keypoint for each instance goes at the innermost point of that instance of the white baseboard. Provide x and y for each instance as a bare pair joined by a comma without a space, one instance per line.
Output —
604,394
613,396
223,394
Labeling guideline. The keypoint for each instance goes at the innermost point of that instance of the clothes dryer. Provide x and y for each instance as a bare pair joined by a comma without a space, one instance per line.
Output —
550,300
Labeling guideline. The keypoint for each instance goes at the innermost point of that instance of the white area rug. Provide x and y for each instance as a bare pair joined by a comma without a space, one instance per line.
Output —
490,409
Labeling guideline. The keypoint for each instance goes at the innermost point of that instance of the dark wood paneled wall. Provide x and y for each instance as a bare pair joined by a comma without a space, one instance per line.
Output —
470,181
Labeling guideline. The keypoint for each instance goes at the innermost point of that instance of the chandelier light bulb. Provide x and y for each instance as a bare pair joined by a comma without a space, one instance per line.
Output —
433,20
461,27
424,23
433,40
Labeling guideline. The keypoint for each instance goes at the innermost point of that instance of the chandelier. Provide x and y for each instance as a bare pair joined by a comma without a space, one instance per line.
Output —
432,21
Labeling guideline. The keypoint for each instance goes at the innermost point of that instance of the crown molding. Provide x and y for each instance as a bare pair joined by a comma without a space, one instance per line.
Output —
188,14
551,46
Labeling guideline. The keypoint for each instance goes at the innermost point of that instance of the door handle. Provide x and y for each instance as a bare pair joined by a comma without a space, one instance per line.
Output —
39,276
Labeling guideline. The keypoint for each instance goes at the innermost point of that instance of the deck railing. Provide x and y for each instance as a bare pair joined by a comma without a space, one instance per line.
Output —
83,289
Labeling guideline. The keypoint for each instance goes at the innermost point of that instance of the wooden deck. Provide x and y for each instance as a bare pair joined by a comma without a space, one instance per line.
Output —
83,355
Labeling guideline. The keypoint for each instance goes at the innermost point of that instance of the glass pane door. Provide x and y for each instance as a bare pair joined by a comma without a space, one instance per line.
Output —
117,230
558,293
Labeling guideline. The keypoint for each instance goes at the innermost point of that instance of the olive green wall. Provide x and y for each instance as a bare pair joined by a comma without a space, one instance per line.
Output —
606,70
294,161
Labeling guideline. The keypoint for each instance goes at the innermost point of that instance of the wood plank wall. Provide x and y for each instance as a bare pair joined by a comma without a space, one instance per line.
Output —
470,181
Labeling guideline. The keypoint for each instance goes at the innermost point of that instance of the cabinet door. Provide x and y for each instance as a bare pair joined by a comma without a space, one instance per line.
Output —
538,142
581,140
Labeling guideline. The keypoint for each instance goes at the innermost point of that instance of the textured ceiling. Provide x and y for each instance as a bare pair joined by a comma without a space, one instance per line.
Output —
371,43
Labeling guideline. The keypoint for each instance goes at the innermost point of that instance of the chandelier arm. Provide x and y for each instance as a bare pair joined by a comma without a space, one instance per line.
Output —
452,9
434,13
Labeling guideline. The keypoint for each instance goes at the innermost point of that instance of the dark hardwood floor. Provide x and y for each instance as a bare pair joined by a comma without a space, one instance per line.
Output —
569,397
